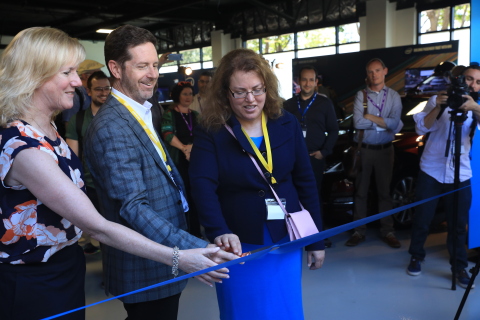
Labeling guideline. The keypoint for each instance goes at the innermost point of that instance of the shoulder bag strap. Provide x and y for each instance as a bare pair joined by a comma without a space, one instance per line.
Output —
361,132
261,173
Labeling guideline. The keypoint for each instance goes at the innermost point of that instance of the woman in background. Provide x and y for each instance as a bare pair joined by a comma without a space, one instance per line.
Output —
231,194
178,123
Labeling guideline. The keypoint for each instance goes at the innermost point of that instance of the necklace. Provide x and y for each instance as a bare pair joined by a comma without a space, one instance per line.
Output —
54,141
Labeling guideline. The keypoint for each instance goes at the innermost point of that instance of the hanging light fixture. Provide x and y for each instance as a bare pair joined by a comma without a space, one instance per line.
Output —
104,30
185,70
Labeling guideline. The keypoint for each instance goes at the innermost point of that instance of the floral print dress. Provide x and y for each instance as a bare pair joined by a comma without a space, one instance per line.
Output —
29,231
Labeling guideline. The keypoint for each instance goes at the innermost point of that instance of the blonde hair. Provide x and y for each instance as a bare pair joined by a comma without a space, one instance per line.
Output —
218,109
32,58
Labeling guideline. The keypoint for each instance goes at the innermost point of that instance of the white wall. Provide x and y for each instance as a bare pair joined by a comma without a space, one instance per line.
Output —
387,27
222,44
376,28
405,32
94,51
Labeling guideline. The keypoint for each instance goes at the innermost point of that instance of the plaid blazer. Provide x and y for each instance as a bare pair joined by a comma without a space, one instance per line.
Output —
135,190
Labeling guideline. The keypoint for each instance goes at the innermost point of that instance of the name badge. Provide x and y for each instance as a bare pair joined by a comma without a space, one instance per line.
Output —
304,129
380,129
274,211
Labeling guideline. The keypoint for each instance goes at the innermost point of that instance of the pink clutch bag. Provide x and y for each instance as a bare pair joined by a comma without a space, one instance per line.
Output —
299,224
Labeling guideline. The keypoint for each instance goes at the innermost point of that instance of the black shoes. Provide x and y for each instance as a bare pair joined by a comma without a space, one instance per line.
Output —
392,241
355,239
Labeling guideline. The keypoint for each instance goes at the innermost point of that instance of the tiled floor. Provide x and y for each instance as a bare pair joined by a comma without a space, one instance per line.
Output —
367,282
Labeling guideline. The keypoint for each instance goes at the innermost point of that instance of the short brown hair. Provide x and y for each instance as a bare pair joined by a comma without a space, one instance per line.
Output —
120,40
376,60
218,109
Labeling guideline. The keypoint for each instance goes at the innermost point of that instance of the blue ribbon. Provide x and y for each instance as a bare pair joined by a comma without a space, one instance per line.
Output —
275,249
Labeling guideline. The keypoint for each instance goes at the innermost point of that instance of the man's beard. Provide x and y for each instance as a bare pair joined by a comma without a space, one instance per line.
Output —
98,103
135,92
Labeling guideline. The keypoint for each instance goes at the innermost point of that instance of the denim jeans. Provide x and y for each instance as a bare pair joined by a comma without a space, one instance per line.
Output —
428,187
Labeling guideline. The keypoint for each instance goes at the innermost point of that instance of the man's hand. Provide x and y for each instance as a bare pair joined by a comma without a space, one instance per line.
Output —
163,59
441,99
220,256
317,155
470,105
377,120
229,242
187,149
315,259
440,104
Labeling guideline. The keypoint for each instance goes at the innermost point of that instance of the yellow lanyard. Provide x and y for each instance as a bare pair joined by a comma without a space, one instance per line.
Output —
269,163
153,137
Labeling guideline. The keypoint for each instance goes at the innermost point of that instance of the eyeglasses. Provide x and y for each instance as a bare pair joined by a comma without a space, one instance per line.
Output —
243,94
100,89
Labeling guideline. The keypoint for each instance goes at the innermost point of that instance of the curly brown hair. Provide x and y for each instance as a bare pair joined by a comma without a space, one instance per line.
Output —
218,109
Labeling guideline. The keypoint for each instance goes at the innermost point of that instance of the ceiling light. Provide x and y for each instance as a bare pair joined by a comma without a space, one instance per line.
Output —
104,30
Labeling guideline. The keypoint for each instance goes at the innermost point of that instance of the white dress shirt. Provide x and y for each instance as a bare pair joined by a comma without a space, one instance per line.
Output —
145,112
433,161
197,104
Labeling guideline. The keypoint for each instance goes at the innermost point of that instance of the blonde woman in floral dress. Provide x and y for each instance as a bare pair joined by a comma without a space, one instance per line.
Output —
43,206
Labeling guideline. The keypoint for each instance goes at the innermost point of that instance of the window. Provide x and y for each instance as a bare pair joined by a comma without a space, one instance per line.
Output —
349,33
280,50
311,43
282,43
445,24
200,58
253,44
207,54
190,56
316,52
316,38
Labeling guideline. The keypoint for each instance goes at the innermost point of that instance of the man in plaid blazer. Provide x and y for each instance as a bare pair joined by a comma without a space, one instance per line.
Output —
137,184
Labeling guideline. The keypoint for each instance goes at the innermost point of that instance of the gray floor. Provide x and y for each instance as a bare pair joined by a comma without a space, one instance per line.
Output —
362,283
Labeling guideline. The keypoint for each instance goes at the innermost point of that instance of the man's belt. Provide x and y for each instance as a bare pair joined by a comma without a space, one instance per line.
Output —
376,146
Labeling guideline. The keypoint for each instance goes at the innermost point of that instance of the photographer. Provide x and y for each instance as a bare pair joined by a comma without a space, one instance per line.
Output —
437,166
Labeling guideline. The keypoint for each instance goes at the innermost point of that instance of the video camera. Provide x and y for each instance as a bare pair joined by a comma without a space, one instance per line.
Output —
458,88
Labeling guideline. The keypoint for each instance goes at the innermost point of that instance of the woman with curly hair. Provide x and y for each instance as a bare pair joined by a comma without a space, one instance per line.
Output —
236,206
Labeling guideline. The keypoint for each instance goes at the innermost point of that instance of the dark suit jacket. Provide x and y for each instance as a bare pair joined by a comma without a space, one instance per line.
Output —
321,122
135,190
230,193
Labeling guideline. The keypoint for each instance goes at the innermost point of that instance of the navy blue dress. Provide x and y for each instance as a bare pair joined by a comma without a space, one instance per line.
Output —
230,196
42,269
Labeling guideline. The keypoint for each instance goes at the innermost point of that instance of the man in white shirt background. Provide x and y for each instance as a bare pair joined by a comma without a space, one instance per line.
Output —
199,99
436,176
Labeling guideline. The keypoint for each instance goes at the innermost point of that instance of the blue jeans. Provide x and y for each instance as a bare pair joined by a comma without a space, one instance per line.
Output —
428,187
